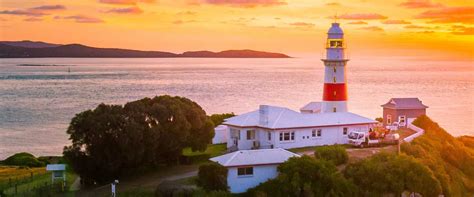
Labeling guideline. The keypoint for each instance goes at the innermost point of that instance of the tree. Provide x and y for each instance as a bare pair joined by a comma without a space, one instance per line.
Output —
336,154
306,176
379,119
218,119
212,177
386,173
113,140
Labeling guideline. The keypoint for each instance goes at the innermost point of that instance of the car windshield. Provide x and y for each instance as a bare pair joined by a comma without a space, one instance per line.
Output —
353,135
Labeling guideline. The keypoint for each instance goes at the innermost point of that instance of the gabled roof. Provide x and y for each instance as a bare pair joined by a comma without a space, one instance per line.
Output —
313,107
404,103
55,167
254,157
284,118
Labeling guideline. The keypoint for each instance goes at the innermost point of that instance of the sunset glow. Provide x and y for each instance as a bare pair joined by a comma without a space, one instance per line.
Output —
441,29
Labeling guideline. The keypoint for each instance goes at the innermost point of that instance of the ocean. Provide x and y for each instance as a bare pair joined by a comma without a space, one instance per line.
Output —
38,97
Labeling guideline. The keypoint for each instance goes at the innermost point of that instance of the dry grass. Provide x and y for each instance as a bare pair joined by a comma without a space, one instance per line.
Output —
7,172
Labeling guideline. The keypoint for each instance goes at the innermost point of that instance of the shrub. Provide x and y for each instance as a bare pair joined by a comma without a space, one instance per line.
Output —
212,177
306,176
23,159
379,119
336,154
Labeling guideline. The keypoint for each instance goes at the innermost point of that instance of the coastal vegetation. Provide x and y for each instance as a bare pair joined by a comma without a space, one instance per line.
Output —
212,177
336,154
23,159
451,159
218,119
112,141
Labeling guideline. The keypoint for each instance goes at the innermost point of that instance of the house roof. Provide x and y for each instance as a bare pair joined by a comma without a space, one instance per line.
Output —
254,157
55,167
404,103
313,107
284,118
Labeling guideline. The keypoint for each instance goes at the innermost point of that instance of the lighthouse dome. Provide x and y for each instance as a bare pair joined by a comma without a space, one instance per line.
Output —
335,29
335,32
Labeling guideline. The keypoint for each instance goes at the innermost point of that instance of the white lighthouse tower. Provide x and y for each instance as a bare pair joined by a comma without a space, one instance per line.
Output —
335,89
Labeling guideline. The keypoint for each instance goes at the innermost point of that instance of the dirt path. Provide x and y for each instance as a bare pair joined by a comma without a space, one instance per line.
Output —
148,181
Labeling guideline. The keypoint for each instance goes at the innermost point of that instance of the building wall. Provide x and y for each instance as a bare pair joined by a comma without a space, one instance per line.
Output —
329,136
395,113
303,137
220,136
239,184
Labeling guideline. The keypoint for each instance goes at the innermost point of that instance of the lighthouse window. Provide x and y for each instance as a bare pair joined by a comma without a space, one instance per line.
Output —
334,69
334,79
334,109
334,93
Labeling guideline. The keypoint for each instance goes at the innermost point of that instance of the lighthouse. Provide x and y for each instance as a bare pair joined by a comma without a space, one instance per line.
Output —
335,88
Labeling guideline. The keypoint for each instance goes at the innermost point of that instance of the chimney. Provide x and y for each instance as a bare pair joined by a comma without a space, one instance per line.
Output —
263,112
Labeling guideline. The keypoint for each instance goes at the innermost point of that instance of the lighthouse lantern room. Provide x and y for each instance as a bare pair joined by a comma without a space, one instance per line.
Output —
335,89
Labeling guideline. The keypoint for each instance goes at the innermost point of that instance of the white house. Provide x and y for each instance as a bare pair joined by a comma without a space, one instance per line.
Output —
249,168
221,133
279,127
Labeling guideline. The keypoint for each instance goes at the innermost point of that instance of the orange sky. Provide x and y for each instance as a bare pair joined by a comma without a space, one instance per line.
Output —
442,29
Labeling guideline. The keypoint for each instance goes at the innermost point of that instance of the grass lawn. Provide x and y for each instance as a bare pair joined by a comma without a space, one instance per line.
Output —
212,150
22,177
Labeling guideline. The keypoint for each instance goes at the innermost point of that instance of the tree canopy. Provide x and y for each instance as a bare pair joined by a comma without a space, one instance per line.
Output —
111,140
334,153
212,177
218,119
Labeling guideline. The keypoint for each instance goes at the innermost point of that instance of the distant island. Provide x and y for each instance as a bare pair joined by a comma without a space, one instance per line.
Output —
32,49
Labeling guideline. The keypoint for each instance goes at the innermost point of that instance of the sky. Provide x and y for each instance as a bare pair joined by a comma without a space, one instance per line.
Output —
423,28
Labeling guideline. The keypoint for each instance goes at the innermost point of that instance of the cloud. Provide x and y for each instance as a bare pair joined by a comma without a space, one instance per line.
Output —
81,19
34,11
449,15
178,22
126,2
413,4
462,30
49,7
372,28
302,24
22,12
362,16
335,4
358,23
240,3
189,13
416,27
33,19
396,22
129,10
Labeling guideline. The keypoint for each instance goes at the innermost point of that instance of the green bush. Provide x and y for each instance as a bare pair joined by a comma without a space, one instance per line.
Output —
23,159
336,154
212,177
306,176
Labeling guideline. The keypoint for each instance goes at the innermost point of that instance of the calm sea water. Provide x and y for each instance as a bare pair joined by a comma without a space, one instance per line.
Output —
37,102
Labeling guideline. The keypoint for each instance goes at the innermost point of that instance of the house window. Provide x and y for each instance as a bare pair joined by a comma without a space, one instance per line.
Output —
334,109
247,171
250,134
401,119
287,136
316,133
389,119
344,131
269,136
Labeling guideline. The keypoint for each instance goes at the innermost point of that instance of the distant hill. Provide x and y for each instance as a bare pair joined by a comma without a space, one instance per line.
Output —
30,49
29,44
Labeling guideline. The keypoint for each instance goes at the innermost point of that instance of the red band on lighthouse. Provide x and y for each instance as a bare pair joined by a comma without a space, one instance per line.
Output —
335,92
